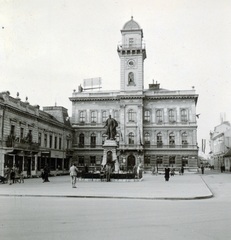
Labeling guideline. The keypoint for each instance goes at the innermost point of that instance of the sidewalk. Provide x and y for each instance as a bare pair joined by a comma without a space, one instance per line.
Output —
187,187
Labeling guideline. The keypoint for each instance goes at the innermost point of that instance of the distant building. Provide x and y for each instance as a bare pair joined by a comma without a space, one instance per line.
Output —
31,138
220,144
156,126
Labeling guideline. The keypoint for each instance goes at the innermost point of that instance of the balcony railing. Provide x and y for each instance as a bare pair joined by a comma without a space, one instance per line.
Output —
138,146
130,46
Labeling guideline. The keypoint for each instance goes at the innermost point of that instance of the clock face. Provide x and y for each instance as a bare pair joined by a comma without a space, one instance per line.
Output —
131,63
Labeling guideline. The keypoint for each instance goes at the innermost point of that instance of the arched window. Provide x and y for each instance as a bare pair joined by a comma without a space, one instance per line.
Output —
184,139
147,138
131,115
171,139
82,117
183,115
130,138
147,116
93,140
81,140
131,78
159,116
171,115
104,116
159,140
93,116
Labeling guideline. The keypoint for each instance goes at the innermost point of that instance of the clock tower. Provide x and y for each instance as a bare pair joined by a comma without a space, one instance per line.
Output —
132,53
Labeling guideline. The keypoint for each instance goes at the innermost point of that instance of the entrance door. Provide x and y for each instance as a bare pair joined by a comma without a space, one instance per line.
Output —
131,162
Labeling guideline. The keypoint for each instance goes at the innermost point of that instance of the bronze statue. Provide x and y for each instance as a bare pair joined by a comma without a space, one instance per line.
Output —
111,125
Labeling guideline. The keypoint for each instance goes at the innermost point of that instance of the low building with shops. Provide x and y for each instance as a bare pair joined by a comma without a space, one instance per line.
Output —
31,138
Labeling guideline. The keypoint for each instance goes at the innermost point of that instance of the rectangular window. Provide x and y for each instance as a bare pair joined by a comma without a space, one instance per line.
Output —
159,160
21,133
81,160
159,117
12,130
92,160
82,117
183,116
68,143
131,41
104,116
184,161
147,160
172,160
45,140
93,117
55,142
50,143
147,116
171,116
39,138
60,143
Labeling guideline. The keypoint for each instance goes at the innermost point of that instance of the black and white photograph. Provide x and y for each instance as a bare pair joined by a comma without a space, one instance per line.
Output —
115,119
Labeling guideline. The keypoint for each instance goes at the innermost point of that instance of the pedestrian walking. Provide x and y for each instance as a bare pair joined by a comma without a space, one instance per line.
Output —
202,169
73,173
108,172
156,170
12,175
46,172
182,170
166,173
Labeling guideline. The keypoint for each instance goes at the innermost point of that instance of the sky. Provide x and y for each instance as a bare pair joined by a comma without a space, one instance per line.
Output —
47,49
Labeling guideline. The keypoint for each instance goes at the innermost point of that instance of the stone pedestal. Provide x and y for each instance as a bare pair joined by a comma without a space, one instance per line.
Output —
110,146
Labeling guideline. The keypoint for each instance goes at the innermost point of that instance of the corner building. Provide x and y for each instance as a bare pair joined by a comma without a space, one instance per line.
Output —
157,127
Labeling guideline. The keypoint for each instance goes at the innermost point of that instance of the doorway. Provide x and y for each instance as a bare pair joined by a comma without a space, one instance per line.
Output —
131,162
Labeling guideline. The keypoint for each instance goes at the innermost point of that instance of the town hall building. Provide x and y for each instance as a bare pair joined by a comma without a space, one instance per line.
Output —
156,127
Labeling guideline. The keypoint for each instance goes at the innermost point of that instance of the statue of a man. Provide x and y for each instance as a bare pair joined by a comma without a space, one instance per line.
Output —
111,125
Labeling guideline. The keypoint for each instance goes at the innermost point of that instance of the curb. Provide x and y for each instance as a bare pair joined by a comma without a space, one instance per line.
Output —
110,197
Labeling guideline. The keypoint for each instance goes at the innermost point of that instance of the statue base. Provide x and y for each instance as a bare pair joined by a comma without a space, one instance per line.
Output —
109,154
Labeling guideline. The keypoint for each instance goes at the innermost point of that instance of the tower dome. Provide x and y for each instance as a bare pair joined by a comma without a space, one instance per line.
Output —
131,25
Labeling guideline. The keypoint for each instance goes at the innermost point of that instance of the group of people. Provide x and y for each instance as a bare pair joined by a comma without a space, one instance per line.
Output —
12,175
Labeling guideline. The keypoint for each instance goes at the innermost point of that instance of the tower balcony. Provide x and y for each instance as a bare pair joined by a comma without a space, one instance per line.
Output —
132,49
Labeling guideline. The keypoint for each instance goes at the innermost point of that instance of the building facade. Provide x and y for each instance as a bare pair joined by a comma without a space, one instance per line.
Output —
156,127
31,138
220,144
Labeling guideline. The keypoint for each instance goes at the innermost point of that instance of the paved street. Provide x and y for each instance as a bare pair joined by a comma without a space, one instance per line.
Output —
118,218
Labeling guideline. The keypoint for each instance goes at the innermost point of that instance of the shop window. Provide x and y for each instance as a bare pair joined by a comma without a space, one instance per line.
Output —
185,161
